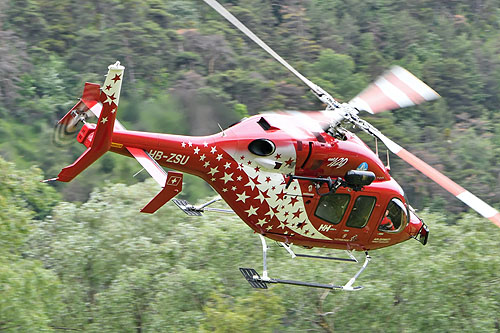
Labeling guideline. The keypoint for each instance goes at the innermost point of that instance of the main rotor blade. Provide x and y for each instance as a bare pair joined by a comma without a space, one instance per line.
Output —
396,88
230,17
465,196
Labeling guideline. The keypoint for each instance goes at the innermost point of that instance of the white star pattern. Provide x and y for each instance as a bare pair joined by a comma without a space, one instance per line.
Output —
183,145
104,120
109,100
227,178
261,222
213,171
270,212
260,197
190,144
252,211
266,189
242,197
250,183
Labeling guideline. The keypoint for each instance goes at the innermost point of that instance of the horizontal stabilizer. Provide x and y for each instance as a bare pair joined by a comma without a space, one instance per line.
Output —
173,186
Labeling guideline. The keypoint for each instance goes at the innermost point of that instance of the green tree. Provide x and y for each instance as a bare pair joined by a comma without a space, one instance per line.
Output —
30,293
337,72
259,311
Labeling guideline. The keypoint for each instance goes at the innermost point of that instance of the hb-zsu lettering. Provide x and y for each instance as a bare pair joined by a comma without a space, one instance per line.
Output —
172,158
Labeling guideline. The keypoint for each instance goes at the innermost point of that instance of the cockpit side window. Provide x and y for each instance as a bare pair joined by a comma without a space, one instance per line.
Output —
332,207
395,217
361,212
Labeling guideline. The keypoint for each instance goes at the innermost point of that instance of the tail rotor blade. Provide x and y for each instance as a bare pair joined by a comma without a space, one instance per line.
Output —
465,196
396,88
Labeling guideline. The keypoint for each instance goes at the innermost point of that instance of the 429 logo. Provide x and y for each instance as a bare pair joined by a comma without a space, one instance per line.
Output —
337,162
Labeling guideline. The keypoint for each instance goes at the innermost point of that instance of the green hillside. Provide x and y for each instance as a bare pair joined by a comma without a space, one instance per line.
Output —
80,257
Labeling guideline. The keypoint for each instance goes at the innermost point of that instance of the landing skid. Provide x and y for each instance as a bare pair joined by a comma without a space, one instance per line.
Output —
261,282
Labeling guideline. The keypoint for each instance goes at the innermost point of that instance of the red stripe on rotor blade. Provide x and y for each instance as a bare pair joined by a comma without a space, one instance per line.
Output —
432,173
406,89
495,219
377,100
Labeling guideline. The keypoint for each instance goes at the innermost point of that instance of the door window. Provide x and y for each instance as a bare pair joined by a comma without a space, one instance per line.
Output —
332,207
361,212
395,217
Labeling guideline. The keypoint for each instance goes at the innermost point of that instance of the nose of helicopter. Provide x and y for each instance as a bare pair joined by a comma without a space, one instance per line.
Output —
417,228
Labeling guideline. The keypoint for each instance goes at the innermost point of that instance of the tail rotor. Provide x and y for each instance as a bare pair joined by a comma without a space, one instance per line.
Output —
66,130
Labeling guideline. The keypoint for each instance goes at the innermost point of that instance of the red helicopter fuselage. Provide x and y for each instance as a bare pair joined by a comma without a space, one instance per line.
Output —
248,165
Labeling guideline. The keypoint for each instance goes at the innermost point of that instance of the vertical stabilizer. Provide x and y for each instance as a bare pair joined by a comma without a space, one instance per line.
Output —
107,104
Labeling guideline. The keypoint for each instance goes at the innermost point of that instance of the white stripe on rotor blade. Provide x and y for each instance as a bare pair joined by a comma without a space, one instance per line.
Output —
415,83
394,93
361,104
477,204
393,146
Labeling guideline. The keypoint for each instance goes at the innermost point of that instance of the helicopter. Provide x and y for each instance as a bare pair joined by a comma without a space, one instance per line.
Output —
298,178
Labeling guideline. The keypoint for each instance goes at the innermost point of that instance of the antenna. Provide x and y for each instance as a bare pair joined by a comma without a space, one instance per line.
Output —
223,133
388,167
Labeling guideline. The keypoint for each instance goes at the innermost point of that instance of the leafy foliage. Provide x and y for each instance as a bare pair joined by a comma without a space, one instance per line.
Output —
121,270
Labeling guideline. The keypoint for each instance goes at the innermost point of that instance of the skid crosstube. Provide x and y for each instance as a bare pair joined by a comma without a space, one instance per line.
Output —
256,281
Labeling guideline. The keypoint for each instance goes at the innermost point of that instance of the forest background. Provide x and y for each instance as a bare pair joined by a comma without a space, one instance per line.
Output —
80,257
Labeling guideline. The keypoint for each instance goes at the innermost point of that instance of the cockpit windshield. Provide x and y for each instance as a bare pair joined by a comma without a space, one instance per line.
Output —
395,217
